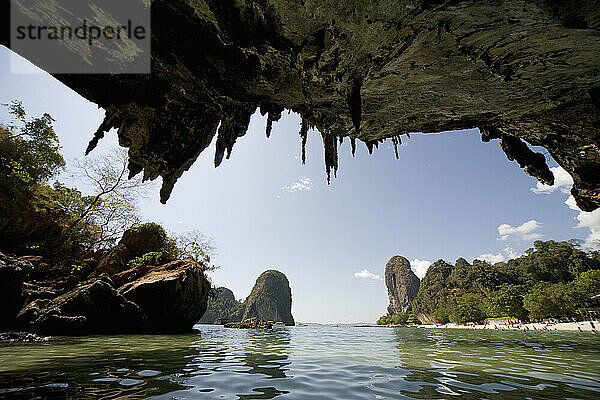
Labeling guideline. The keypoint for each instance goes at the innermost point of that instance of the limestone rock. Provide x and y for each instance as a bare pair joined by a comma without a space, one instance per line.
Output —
173,296
13,271
250,323
224,306
92,307
270,299
402,284
523,72
135,242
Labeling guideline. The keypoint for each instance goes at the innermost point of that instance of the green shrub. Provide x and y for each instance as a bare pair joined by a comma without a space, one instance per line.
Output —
394,319
151,258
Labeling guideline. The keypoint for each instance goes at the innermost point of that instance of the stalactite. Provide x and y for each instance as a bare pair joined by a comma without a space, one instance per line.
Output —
331,155
304,136
233,125
395,143
353,99
353,145
269,126
369,144
273,115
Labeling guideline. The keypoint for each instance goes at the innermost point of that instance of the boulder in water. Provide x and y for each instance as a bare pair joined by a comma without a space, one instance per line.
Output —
13,271
270,299
92,307
250,323
173,295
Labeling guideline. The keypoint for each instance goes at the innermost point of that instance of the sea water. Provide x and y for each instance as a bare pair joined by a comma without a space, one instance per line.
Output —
307,362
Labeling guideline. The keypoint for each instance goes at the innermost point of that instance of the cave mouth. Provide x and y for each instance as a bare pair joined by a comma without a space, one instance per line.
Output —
521,72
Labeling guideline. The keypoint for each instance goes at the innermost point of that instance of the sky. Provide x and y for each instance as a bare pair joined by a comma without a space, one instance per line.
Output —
448,196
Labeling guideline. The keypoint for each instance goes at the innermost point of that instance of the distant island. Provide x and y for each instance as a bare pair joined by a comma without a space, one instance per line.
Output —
553,280
270,300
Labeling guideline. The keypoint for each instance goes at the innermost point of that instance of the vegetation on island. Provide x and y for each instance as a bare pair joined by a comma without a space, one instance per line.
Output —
552,280
40,215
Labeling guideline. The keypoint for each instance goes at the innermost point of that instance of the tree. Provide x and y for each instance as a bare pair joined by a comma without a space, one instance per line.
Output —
110,210
445,308
588,284
551,300
507,301
197,246
470,307
393,319
29,150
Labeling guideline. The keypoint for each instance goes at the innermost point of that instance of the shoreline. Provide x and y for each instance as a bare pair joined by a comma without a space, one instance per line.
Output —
581,326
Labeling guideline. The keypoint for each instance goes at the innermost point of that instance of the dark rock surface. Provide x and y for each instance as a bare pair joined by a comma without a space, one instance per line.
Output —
173,296
270,299
223,306
402,284
250,323
13,272
166,298
135,242
93,307
372,70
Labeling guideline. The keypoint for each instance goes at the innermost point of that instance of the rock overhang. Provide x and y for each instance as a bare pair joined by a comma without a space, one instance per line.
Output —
523,72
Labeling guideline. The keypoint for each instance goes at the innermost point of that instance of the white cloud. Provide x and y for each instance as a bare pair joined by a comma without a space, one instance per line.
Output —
420,267
506,254
510,253
491,258
301,185
366,274
590,220
570,202
562,182
525,231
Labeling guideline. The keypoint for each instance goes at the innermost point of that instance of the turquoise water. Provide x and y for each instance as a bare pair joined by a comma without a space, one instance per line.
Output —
307,362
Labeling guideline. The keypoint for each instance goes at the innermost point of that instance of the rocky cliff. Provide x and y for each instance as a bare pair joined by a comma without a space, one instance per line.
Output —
522,71
432,284
165,298
225,306
402,284
270,299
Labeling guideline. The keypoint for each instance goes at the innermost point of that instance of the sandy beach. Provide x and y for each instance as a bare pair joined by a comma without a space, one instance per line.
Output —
584,326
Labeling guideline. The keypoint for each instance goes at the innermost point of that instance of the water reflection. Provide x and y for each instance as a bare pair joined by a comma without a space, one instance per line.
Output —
456,362
315,362
95,367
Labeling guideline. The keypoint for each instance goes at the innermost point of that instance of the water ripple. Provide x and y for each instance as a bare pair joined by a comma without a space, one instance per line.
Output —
311,362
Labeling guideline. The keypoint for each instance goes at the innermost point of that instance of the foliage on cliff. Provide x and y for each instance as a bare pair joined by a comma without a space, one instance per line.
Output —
58,221
223,305
550,281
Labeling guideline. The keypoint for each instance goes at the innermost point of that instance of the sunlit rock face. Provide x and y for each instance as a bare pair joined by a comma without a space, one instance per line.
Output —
369,70
270,299
402,284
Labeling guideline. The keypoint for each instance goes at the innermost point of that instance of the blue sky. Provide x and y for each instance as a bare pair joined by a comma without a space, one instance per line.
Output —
448,196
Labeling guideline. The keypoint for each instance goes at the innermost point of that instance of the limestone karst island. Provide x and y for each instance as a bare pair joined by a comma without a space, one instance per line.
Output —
300,199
